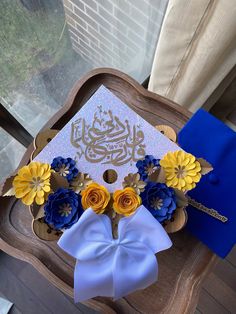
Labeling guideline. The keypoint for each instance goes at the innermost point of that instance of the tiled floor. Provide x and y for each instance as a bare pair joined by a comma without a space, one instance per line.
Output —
30,292
33,294
218,295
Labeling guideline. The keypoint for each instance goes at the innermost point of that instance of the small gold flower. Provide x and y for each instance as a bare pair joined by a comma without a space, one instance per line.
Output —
182,170
65,209
133,181
156,203
32,183
80,182
95,196
126,201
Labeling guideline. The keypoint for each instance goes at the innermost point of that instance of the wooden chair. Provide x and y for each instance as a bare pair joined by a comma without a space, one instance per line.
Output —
181,268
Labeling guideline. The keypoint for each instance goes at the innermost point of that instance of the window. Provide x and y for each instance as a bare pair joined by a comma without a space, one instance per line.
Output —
46,45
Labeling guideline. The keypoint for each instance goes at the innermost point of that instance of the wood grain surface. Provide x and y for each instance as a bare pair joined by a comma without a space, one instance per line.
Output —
181,268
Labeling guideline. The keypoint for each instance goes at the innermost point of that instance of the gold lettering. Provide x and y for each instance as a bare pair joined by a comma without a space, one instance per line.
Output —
107,139
210,211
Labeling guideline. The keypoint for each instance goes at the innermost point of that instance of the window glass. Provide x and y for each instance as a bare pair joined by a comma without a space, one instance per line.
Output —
46,45
11,152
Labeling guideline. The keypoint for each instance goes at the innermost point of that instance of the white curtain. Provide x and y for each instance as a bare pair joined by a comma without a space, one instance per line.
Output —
196,50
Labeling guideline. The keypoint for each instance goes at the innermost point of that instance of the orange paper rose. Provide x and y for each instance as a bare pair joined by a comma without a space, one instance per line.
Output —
126,201
95,196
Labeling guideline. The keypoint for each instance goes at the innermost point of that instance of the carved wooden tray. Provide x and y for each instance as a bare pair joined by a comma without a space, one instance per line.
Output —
181,268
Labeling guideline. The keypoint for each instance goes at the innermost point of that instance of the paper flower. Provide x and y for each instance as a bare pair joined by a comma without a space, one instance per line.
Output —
133,181
182,170
147,166
95,196
62,209
65,167
126,201
160,200
32,183
80,182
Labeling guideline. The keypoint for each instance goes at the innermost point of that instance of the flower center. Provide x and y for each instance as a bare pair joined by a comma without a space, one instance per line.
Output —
180,171
127,201
37,183
65,210
151,168
156,203
63,170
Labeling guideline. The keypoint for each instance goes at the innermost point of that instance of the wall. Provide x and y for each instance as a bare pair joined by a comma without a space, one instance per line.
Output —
115,33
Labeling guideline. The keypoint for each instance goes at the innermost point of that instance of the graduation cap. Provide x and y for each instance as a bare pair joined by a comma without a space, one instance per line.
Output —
214,221
107,138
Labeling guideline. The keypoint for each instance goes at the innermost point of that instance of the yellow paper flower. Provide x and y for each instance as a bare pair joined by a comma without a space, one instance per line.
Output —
95,196
126,201
182,170
32,183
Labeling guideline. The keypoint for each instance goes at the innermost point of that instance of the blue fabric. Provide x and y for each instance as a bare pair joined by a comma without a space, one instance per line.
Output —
205,136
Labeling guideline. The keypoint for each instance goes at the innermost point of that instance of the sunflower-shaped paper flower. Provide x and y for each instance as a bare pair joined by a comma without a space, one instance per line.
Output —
126,201
147,166
80,182
62,209
95,196
182,170
66,167
32,183
160,200
132,180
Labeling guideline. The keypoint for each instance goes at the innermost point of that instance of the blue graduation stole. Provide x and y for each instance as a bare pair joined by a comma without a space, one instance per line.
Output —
207,137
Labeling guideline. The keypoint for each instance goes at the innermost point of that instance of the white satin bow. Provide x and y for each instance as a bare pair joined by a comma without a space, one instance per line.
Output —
114,267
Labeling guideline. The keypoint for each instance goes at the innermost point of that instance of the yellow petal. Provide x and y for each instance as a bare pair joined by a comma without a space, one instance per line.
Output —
46,167
192,173
40,193
40,172
198,166
28,199
19,193
21,184
197,178
179,187
46,175
46,188
24,172
170,176
185,162
39,200
34,170
179,159
182,182
190,166
188,179
192,158
163,163
174,181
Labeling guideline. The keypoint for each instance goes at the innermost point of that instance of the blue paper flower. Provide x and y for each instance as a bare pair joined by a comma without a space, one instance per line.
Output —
147,166
65,167
62,209
160,200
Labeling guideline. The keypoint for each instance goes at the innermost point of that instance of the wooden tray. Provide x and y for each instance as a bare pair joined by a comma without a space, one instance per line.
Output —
181,268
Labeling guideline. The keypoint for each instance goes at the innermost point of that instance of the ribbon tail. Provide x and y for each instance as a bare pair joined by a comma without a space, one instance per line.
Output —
93,278
134,268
